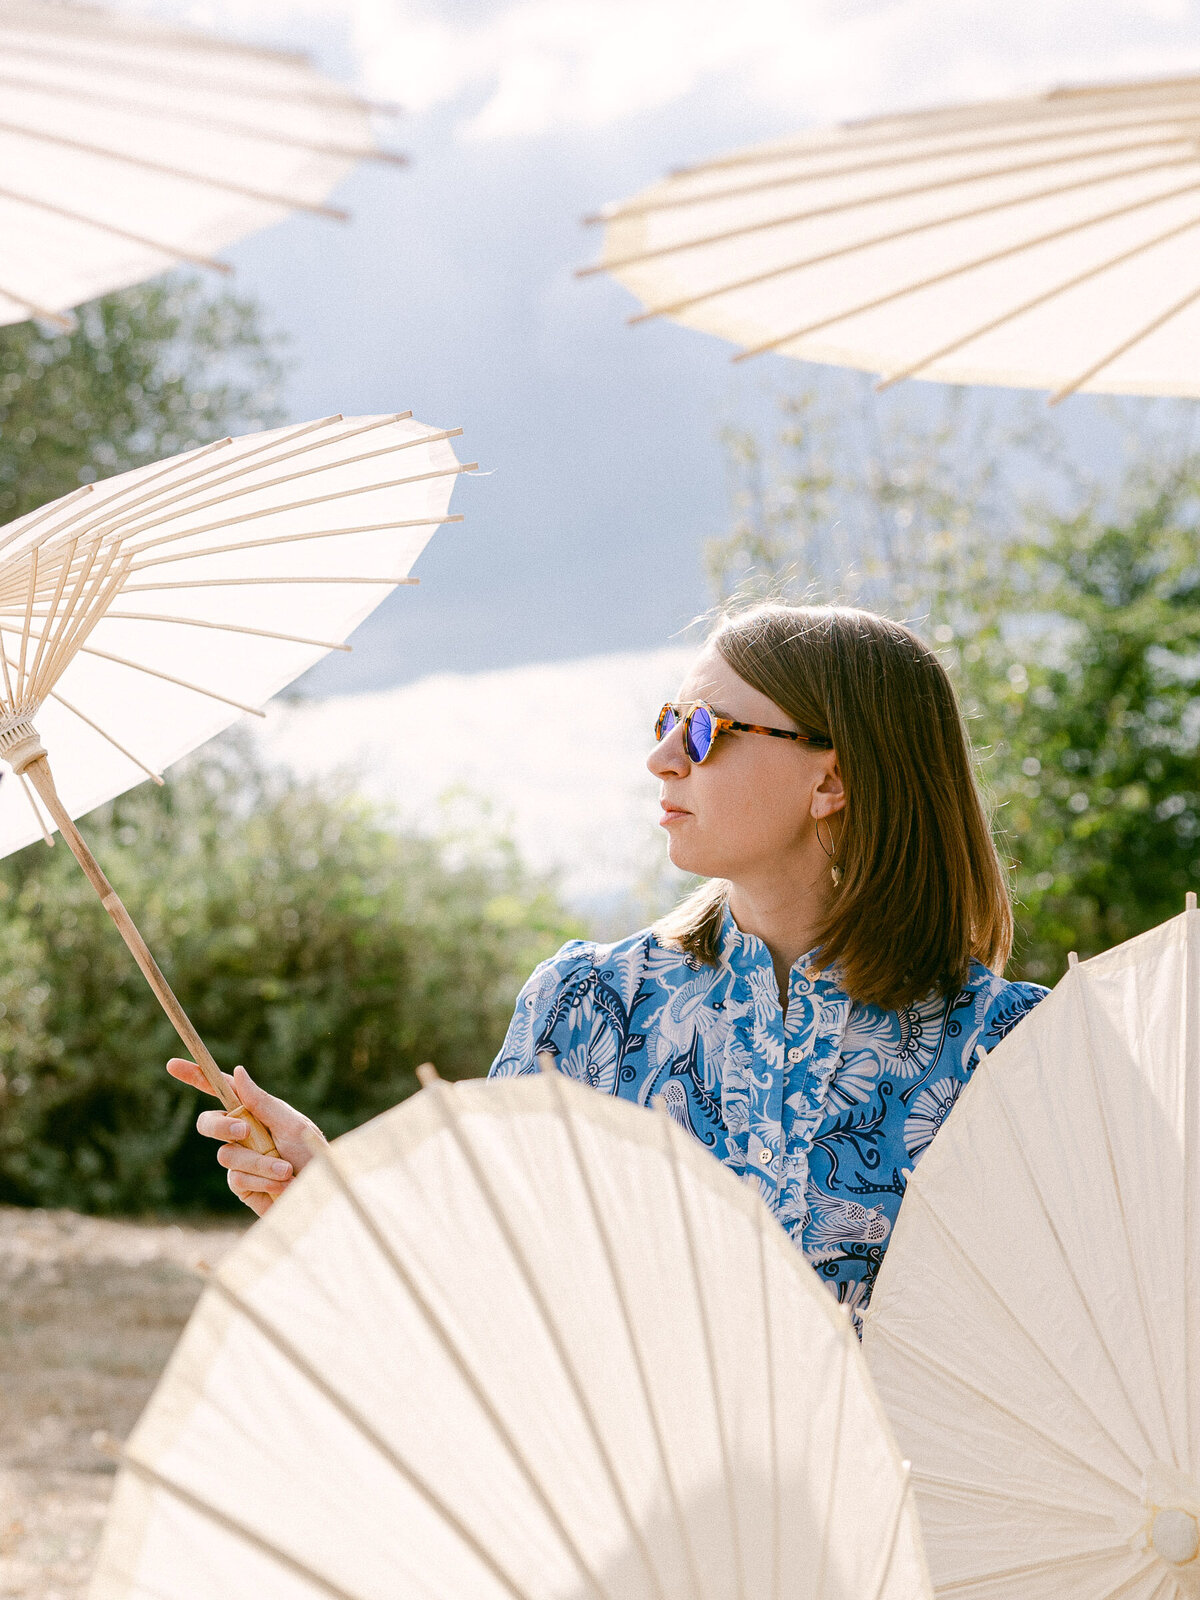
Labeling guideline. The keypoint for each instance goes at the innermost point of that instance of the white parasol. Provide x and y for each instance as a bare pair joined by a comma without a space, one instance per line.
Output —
141,615
129,146
514,1339
1035,1329
1049,242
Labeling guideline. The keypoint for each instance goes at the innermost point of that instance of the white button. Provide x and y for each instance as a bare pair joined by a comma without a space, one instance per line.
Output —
795,1053
766,1157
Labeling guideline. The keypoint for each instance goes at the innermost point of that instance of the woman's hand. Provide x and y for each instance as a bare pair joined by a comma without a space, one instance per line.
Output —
255,1179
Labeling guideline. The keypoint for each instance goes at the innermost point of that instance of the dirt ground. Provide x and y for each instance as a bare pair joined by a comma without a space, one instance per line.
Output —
89,1313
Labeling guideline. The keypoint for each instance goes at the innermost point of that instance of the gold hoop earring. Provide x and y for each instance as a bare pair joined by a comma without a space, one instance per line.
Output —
830,849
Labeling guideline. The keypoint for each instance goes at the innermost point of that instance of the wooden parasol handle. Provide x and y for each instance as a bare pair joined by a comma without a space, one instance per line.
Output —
39,774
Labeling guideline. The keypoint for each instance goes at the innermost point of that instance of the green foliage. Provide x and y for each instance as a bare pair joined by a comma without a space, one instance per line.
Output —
888,504
304,935
1094,722
1068,610
306,938
145,373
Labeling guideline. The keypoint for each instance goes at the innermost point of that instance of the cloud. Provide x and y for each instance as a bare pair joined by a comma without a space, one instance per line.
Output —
529,66
558,750
520,68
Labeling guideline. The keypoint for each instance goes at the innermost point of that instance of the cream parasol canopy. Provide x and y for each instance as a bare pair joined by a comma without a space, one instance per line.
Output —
129,146
514,1340
1035,1330
143,614
1048,242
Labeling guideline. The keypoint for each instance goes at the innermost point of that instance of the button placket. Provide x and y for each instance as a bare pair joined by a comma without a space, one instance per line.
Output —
769,1155
797,1022
817,1011
762,1030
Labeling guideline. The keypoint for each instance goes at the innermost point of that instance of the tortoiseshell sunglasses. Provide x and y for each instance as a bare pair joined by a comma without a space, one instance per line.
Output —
702,725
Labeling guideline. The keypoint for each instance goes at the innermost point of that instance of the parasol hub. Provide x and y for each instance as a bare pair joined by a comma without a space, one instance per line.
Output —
20,743
1175,1535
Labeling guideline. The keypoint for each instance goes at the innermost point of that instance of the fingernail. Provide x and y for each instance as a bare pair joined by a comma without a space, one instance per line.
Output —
239,1130
280,1169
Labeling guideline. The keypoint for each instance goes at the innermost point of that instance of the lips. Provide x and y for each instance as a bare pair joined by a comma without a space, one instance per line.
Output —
671,813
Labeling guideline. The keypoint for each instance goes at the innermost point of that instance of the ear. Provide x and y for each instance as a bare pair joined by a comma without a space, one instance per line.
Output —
829,796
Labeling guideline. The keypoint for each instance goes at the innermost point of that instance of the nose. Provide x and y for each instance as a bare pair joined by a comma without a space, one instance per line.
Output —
669,759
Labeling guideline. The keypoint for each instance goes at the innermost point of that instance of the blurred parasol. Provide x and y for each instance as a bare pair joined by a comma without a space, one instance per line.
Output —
1035,1329
514,1339
128,146
141,615
1047,242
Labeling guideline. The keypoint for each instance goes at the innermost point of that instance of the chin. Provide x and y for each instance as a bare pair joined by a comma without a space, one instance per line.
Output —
691,859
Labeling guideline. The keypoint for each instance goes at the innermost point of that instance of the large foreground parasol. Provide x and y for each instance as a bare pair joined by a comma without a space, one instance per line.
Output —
1035,1330
1050,242
141,615
128,146
514,1339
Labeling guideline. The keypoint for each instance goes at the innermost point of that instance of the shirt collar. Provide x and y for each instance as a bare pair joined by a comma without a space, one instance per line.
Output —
742,951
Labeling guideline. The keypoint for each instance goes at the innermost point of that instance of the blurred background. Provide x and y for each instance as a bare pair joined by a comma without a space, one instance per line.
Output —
364,882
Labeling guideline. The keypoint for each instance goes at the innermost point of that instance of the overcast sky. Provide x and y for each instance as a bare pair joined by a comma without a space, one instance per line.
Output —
452,292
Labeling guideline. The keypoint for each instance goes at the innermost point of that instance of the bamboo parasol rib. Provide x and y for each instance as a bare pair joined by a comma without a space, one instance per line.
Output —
1042,242
394,1305
818,213
712,1369
447,1106
211,124
134,680
206,180
654,1409
1058,1328
642,207
111,119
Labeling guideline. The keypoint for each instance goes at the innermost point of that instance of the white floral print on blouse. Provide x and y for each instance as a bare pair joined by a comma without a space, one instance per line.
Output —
828,1109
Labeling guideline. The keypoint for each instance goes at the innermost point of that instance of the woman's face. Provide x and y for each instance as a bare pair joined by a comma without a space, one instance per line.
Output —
751,807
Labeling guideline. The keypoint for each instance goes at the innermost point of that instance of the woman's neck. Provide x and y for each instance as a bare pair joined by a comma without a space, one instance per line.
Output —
786,915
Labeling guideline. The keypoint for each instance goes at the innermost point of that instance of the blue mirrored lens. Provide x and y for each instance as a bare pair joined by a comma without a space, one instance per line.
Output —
666,721
699,735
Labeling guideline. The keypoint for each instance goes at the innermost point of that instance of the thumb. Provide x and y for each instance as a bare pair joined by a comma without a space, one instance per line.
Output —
254,1099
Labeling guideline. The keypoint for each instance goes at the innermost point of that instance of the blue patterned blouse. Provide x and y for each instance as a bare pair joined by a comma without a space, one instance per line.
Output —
828,1109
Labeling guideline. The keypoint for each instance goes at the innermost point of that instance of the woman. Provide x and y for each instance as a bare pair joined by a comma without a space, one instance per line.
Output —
812,1011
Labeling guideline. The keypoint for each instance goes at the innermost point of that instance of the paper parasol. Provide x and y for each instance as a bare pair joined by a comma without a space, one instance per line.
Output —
514,1339
141,615
129,146
1048,242
1035,1330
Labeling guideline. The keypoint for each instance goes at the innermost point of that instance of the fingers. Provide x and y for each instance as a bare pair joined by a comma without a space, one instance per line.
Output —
222,1125
249,1189
265,1107
255,1179
188,1072
254,1174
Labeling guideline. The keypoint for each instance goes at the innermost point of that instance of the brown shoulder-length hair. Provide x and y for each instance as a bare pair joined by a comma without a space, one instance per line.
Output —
922,889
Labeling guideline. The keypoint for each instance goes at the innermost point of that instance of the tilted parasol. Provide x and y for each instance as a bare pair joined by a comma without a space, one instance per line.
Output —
141,615
1035,1329
514,1339
129,146
1049,242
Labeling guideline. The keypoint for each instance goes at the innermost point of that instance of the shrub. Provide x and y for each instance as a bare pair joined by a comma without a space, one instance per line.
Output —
305,937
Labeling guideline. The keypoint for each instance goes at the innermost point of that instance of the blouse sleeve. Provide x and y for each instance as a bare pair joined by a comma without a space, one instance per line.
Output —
1014,1001
545,1017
